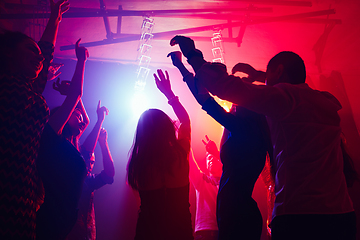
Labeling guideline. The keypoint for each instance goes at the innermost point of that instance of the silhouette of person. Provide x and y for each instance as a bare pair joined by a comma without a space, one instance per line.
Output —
206,186
85,227
158,169
23,115
311,197
61,167
244,147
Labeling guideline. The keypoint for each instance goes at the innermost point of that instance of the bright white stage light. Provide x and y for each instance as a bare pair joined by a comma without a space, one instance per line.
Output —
138,104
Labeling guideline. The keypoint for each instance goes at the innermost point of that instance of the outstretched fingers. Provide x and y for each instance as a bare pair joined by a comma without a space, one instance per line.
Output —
167,75
161,74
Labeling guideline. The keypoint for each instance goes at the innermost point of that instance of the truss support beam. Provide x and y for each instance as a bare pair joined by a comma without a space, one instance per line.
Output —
167,34
85,13
119,20
241,35
109,34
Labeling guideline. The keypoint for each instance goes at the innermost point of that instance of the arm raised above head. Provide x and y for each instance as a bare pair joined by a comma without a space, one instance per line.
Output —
91,140
57,10
163,84
74,92
198,91
187,46
267,100
108,162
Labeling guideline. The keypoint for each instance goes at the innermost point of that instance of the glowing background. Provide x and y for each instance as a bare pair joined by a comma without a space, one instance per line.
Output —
110,77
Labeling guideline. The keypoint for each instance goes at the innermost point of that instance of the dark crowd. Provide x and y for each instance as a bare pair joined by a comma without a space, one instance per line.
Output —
281,129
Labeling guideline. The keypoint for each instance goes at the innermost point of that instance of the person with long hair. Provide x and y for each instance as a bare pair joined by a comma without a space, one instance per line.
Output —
23,114
158,169
61,167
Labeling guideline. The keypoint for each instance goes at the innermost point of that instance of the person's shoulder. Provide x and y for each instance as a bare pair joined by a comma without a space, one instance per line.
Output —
322,98
295,88
289,85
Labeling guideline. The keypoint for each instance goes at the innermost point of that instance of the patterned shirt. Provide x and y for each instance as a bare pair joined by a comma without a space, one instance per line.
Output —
23,115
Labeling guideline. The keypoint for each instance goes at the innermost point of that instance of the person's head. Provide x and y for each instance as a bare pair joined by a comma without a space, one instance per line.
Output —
90,162
155,140
285,67
20,55
75,124
155,128
213,165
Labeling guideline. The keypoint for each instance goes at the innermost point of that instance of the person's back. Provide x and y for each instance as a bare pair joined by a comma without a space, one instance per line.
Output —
23,115
164,214
308,163
164,208
311,201
158,169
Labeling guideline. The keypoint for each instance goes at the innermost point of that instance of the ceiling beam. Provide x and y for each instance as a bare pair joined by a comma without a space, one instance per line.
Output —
72,13
136,37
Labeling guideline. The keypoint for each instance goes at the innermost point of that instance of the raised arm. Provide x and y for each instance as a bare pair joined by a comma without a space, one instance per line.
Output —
195,173
211,147
108,162
47,42
267,100
253,74
75,89
91,140
86,120
57,10
163,84
202,96
194,56
198,91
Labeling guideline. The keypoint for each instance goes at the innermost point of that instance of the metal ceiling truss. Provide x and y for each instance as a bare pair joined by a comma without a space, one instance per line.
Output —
231,15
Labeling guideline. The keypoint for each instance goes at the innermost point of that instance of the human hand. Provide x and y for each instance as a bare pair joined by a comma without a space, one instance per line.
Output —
253,74
82,53
210,146
163,83
57,9
62,87
102,139
53,71
176,58
186,44
101,111
233,108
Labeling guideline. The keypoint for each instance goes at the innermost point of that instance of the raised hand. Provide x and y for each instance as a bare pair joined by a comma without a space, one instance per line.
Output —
102,136
62,87
176,58
163,83
186,44
54,71
210,146
82,53
253,74
57,9
101,112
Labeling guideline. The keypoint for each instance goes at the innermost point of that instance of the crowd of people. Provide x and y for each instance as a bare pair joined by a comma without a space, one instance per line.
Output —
46,180
46,183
